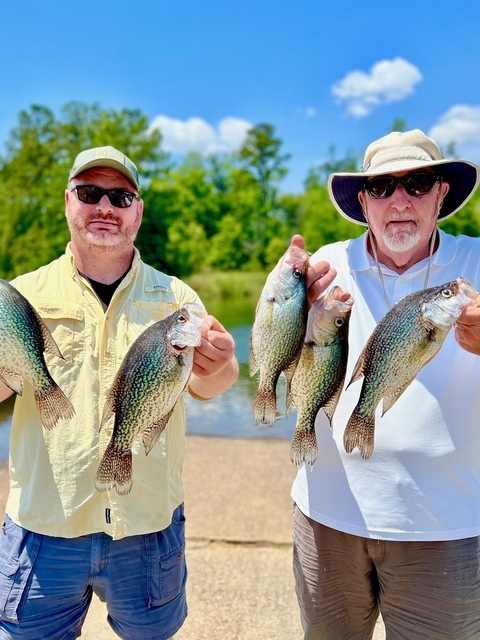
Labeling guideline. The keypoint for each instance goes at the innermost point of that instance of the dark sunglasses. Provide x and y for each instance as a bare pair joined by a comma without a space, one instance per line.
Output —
90,194
415,184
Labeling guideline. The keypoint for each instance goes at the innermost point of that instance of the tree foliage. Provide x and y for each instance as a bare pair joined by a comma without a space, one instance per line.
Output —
223,212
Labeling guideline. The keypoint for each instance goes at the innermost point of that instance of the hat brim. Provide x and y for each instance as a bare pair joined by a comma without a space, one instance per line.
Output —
111,164
462,176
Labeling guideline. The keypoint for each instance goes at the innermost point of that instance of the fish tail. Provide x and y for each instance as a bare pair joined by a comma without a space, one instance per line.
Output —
53,405
360,432
115,471
304,446
265,406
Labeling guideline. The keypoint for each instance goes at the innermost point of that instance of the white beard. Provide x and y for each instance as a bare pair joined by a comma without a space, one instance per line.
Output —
401,241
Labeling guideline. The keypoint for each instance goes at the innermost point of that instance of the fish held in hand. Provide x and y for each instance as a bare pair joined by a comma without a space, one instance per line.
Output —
402,343
151,378
320,374
24,338
279,329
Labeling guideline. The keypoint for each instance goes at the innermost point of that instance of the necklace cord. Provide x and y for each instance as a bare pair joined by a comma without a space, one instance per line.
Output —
371,237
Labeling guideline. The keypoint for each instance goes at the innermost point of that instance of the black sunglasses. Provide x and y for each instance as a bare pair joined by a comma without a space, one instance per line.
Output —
90,194
415,184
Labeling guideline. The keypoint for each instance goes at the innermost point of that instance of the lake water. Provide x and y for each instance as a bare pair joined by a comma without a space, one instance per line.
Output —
229,415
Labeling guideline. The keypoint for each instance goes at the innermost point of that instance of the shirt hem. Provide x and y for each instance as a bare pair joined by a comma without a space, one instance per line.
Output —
388,534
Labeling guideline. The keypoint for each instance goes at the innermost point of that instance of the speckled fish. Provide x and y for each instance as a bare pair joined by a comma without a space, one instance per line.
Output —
24,338
320,374
279,329
402,343
151,378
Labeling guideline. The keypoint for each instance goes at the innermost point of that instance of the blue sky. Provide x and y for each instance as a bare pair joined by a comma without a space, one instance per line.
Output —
323,73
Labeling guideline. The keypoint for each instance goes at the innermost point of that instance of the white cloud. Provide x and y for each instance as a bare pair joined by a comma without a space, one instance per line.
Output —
308,112
388,81
460,124
195,134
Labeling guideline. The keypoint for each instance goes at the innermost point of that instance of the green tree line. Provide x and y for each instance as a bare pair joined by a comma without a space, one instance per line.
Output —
223,212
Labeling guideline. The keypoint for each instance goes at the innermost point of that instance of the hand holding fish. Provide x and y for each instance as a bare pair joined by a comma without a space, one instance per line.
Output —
320,275
467,329
215,368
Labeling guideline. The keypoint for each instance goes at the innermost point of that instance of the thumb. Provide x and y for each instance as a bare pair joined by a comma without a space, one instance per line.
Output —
298,241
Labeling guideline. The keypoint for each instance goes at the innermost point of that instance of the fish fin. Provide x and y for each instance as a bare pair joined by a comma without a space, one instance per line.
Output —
13,380
390,399
269,311
110,406
265,407
253,364
115,471
289,373
330,406
49,344
359,370
304,446
53,406
152,433
360,432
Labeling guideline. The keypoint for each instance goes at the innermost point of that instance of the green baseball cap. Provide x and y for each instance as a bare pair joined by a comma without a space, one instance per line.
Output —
105,157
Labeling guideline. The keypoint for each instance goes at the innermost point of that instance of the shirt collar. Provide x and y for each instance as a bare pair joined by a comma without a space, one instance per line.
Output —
360,260
73,268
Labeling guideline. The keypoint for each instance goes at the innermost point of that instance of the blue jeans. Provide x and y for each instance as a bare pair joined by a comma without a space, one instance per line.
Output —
46,583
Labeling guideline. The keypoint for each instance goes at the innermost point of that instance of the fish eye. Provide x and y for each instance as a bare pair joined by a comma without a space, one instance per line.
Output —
339,322
447,293
181,319
297,273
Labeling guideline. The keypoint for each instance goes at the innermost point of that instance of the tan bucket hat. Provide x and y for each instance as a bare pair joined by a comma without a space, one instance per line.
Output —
404,151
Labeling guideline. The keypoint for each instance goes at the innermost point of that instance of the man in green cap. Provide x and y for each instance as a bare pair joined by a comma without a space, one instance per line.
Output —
62,539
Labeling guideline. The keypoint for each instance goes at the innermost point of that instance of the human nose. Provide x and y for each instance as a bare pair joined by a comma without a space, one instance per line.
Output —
104,203
400,198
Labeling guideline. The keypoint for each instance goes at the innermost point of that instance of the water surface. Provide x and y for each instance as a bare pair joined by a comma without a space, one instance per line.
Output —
229,415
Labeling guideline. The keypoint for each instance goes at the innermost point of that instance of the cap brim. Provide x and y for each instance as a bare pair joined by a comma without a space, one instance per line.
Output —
111,164
462,176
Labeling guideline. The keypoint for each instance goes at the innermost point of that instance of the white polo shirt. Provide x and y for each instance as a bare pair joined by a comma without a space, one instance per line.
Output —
423,479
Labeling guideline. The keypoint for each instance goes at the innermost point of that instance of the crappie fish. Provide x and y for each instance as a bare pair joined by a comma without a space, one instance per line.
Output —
320,374
279,328
151,378
403,342
24,338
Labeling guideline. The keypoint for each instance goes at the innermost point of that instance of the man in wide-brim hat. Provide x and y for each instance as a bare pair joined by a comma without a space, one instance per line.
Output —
408,152
397,531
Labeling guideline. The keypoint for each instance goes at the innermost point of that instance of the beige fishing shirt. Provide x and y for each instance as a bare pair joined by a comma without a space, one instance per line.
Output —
52,472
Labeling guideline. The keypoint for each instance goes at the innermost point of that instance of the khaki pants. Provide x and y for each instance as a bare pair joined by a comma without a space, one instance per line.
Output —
424,590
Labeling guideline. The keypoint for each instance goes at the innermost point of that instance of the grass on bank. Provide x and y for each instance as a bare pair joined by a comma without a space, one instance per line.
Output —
229,296
226,285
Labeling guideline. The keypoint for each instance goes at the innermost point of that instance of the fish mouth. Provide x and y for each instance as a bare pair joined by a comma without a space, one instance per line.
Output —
467,289
178,347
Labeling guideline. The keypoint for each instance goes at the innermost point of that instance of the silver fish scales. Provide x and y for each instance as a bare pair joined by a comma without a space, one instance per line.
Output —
24,338
320,374
279,329
152,376
402,343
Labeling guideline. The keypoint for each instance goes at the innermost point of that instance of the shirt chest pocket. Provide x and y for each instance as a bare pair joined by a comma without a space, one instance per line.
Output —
142,314
66,321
